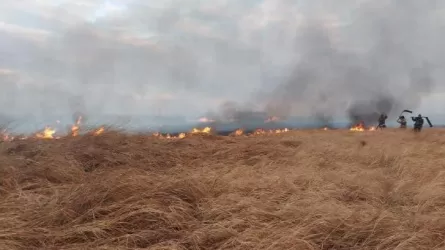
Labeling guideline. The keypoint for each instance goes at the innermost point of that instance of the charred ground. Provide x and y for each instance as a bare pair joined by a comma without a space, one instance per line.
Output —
298,190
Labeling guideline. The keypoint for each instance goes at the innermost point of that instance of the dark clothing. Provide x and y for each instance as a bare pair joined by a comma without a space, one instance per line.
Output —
382,121
402,122
418,123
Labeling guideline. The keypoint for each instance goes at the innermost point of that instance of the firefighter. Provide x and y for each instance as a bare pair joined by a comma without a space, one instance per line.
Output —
382,121
402,121
418,123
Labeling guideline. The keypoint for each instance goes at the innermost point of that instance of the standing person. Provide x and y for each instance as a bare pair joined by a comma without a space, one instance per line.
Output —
402,121
382,121
418,123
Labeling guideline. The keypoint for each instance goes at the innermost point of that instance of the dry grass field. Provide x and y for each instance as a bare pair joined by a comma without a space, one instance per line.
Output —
296,190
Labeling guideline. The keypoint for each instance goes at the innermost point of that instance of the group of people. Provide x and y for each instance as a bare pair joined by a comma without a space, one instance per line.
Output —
418,122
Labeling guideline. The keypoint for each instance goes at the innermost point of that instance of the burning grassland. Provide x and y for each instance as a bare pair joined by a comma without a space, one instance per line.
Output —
311,189
360,127
206,128
78,128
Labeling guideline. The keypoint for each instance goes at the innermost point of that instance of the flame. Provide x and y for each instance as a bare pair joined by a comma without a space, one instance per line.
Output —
99,131
278,131
261,131
168,136
205,130
325,128
239,132
358,127
47,133
4,135
361,127
75,128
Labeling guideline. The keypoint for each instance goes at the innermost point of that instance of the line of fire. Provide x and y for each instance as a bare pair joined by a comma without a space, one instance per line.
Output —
268,125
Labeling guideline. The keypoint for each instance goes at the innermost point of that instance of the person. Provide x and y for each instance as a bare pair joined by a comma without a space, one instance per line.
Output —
402,121
382,121
418,123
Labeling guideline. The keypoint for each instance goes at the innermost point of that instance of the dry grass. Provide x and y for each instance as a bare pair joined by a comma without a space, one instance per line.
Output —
299,190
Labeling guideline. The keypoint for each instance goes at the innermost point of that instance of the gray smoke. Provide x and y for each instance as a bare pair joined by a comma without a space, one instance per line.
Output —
369,111
323,59
384,60
244,115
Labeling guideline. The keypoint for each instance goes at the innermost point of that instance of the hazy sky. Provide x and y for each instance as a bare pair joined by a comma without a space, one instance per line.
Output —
159,56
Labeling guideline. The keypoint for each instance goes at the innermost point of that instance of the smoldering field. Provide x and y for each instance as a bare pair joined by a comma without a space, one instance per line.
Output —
307,189
303,189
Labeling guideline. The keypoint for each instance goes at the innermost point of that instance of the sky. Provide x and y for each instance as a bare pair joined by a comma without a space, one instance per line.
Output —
164,57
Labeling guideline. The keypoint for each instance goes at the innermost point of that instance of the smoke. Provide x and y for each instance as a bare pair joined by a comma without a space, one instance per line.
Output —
385,58
242,59
382,61
369,111
244,115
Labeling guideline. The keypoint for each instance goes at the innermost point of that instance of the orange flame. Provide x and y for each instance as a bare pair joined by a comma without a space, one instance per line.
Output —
75,128
261,131
47,133
239,132
278,131
358,127
361,127
99,131
205,130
